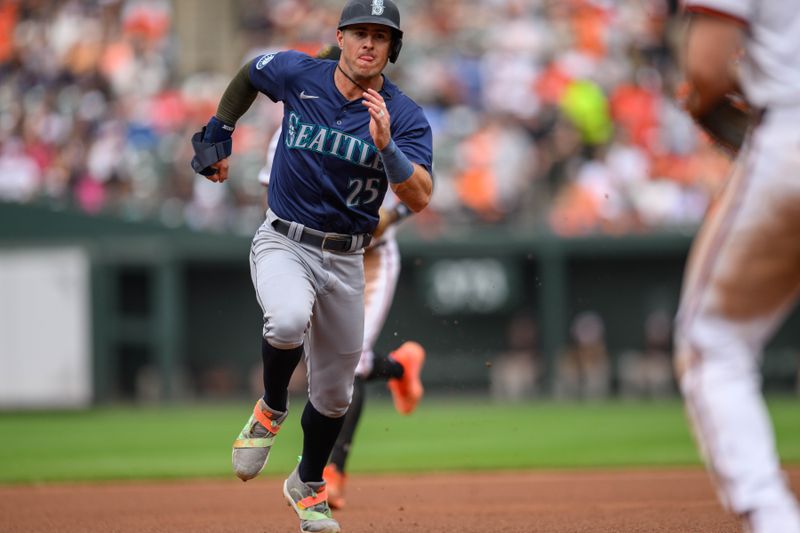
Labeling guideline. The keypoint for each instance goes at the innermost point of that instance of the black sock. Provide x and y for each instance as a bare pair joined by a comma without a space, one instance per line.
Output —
384,367
319,435
342,447
279,366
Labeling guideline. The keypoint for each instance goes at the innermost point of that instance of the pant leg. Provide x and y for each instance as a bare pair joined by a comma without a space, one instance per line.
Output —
742,278
285,286
336,334
381,273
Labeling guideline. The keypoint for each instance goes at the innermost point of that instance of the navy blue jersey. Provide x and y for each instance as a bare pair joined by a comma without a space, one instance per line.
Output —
327,173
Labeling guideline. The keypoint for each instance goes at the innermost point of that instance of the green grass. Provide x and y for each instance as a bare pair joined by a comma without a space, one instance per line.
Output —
177,442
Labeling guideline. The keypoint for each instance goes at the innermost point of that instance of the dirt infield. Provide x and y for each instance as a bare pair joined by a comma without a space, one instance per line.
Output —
553,502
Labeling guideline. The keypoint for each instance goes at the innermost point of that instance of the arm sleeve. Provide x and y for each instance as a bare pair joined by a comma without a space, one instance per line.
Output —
238,97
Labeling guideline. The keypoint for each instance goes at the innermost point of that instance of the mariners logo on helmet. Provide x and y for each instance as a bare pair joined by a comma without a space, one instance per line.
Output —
377,7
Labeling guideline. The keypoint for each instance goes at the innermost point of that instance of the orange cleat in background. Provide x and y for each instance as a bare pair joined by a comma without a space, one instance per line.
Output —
335,481
407,391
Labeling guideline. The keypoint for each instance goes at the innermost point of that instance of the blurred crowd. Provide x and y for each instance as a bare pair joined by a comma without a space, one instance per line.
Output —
587,369
552,115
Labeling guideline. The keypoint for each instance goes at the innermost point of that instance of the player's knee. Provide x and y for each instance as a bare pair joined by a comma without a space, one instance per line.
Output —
713,352
287,329
334,404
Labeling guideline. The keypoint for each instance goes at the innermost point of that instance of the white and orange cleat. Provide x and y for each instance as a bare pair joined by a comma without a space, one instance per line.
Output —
310,502
251,448
407,391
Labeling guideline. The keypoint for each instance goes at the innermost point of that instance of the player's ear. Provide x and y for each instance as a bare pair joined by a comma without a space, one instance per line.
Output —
340,38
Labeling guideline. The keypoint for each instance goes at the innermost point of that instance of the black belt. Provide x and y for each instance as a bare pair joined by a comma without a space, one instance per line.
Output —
334,242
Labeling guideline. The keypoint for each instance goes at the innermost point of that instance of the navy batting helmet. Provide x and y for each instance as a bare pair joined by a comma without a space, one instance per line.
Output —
382,12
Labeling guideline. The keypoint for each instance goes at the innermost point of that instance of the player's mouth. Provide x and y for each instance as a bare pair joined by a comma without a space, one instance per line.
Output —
366,59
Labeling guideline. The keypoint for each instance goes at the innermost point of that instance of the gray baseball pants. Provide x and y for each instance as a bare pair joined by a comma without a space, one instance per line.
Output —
314,296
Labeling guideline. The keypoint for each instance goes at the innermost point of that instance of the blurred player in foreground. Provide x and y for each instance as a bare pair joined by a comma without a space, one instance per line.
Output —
401,368
743,273
348,134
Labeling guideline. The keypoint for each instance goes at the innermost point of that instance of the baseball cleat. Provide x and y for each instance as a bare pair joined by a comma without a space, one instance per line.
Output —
251,448
335,480
310,502
407,391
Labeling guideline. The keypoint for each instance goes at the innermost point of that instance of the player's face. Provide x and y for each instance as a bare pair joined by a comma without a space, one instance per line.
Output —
365,48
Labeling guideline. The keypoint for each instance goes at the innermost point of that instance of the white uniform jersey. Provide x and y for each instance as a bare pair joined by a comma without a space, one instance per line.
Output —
770,69
266,170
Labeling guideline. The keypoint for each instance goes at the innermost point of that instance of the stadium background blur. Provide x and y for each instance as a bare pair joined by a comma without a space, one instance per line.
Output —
568,185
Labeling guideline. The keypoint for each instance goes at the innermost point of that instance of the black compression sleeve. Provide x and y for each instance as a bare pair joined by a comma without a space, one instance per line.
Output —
238,97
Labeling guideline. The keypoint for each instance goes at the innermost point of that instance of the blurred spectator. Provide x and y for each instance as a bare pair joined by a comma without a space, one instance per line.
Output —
648,373
552,116
585,104
514,373
20,173
492,169
584,371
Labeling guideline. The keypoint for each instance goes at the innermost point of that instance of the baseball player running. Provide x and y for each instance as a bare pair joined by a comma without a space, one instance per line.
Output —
402,367
743,273
348,133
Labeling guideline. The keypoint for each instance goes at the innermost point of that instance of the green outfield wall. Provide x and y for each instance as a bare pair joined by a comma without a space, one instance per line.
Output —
173,313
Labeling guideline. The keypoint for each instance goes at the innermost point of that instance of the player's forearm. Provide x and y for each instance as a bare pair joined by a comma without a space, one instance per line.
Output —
415,192
238,97
213,144
710,61
409,181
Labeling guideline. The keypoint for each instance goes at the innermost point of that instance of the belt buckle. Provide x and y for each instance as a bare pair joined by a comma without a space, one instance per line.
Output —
326,239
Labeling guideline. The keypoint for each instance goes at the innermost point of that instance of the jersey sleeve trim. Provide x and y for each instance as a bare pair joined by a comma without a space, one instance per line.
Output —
717,13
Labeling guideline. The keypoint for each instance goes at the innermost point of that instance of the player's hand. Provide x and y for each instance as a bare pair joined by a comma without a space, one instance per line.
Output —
379,120
212,146
221,167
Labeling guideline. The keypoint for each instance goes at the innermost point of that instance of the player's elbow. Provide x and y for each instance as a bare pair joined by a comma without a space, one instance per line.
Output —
710,75
703,96
416,191
710,57
419,202
707,81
